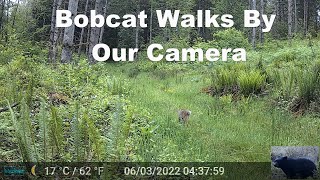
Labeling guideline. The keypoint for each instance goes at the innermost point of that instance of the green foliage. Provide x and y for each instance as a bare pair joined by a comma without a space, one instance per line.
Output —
237,78
40,11
127,112
230,38
281,30
116,86
308,83
105,117
23,133
251,82
95,139
56,132
224,78
236,8
7,54
285,81
287,56
176,42
295,79
133,72
77,129
43,121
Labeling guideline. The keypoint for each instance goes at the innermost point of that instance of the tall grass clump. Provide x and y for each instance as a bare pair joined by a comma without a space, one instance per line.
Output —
308,88
237,80
116,86
288,55
287,80
224,78
251,82
308,83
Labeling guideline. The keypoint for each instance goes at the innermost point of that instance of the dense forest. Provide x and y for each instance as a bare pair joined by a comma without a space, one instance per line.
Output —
59,104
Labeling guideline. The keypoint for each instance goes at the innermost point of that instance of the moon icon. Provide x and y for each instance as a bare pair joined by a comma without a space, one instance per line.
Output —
33,170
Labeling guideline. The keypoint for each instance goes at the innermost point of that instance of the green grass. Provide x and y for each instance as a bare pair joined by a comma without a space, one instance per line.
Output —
219,129
128,111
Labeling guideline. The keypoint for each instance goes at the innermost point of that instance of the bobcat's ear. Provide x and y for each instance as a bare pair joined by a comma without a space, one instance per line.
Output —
189,112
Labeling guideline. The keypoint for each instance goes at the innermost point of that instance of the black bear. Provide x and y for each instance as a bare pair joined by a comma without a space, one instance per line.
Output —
296,168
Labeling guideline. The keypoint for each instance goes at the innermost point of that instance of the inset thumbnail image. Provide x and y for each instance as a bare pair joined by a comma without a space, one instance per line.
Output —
294,162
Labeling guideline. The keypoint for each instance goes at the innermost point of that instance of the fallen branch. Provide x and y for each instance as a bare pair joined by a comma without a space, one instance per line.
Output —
7,108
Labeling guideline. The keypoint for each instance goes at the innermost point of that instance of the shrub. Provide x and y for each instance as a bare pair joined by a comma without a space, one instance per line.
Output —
230,38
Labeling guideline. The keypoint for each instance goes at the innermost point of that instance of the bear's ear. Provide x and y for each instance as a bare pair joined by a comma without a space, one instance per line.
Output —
285,158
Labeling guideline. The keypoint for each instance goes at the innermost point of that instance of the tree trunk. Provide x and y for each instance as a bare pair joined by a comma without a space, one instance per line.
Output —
54,32
1,16
278,10
295,17
15,14
254,30
7,22
305,17
88,40
68,37
283,9
151,24
104,15
95,32
261,34
290,9
61,30
137,32
137,35
83,29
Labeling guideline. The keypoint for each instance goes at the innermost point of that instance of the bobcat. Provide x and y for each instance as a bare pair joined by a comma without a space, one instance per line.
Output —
184,115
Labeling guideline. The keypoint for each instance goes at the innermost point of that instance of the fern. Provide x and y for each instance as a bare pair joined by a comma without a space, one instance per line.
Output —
128,122
251,82
56,131
80,136
29,135
43,130
95,138
22,133
113,135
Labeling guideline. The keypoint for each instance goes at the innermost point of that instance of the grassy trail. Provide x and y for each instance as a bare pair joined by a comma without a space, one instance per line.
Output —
219,129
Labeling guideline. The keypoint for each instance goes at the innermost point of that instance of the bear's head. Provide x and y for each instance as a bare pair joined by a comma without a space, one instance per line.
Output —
279,161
